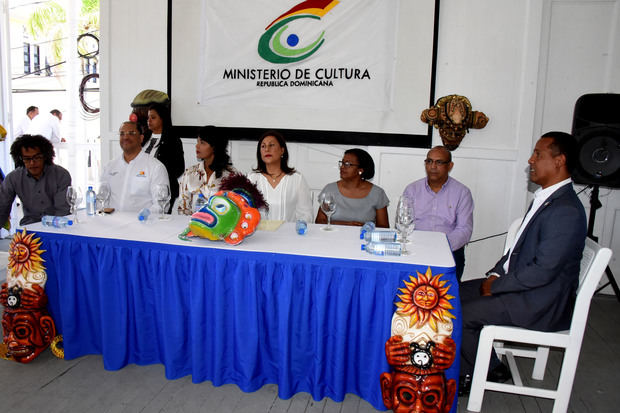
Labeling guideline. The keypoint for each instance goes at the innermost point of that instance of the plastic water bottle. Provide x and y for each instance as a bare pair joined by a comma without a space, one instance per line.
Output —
388,235
368,226
200,202
91,199
56,222
383,248
143,215
301,227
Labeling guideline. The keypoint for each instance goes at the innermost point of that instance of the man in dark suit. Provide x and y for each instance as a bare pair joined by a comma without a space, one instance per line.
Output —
534,285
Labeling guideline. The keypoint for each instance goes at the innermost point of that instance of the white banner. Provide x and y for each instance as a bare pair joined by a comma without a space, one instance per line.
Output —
323,54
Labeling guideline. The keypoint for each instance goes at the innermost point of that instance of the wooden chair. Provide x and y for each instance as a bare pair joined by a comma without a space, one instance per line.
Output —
593,264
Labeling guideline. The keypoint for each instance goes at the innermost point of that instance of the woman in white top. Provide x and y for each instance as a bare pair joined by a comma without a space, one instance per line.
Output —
205,177
283,187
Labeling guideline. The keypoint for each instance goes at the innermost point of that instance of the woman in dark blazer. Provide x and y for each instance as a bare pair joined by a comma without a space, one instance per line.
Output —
165,146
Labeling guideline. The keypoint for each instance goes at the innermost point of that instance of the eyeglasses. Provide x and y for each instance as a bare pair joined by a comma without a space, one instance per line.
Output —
129,133
36,158
437,162
346,164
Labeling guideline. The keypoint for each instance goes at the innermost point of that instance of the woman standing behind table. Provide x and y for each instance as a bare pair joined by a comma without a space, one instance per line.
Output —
284,189
357,200
165,146
206,176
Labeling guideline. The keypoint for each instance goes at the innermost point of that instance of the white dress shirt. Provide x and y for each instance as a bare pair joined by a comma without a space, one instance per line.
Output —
134,183
45,124
288,201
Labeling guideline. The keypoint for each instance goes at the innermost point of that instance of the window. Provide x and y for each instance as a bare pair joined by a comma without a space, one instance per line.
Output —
37,60
27,58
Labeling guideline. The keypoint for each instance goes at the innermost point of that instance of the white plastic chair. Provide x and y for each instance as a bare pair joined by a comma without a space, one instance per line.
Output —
512,233
593,264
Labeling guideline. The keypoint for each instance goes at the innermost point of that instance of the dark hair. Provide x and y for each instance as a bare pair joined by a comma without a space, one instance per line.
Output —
164,113
365,162
30,142
55,112
136,124
446,150
166,121
283,160
214,137
31,109
563,144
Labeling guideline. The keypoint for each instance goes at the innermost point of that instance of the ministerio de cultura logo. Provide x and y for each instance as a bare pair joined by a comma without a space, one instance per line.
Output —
273,48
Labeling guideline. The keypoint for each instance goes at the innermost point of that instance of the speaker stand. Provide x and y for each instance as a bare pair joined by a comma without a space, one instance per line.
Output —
595,204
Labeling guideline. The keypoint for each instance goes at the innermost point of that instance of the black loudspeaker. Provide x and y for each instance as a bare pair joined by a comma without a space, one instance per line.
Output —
596,126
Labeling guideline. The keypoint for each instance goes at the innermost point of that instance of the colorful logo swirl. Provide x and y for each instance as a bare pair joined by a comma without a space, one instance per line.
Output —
271,46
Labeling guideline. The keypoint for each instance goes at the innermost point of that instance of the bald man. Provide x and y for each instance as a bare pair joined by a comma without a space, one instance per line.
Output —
443,204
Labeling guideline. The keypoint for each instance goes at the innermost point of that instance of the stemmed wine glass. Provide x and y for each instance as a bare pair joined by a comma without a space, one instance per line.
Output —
162,192
328,206
103,195
405,220
74,198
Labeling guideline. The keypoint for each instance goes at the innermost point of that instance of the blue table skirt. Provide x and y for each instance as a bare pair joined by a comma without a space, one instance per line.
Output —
307,324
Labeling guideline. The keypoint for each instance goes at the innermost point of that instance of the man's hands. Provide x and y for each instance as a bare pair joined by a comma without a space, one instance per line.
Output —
485,287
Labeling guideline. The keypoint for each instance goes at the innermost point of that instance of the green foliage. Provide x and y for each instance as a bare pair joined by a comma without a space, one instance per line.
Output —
47,23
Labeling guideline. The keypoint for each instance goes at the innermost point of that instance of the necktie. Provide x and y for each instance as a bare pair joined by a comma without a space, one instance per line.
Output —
151,145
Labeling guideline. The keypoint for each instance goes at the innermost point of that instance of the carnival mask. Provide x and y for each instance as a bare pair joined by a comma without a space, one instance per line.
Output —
27,333
229,215
408,393
453,116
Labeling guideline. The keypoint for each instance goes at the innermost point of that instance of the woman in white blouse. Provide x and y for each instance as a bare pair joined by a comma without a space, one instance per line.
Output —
206,176
283,187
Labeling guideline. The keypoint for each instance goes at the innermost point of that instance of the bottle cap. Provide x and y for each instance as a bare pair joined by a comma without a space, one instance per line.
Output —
363,247
141,218
90,187
362,233
70,222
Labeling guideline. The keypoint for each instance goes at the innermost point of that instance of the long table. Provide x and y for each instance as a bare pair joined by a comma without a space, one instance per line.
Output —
310,313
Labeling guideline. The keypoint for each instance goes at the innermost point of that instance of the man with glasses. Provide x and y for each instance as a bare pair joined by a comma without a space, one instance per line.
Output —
40,184
441,203
134,176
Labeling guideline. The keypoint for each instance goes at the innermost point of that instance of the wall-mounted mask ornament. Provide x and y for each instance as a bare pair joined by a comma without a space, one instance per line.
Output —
453,116
27,327
230,215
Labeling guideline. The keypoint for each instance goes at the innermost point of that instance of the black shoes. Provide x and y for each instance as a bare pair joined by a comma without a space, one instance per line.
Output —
464,385
499,374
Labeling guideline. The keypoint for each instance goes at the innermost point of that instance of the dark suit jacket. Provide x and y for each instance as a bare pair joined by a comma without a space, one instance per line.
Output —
540,288
170,153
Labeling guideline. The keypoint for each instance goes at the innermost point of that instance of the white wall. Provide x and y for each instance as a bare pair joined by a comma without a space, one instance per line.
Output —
522,63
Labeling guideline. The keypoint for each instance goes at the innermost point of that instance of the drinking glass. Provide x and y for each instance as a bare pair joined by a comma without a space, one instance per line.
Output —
103,195
163,197
328,206
405,220
74,198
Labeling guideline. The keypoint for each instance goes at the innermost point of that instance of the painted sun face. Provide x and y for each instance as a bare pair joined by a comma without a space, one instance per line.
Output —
425,300
425,297
24,254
